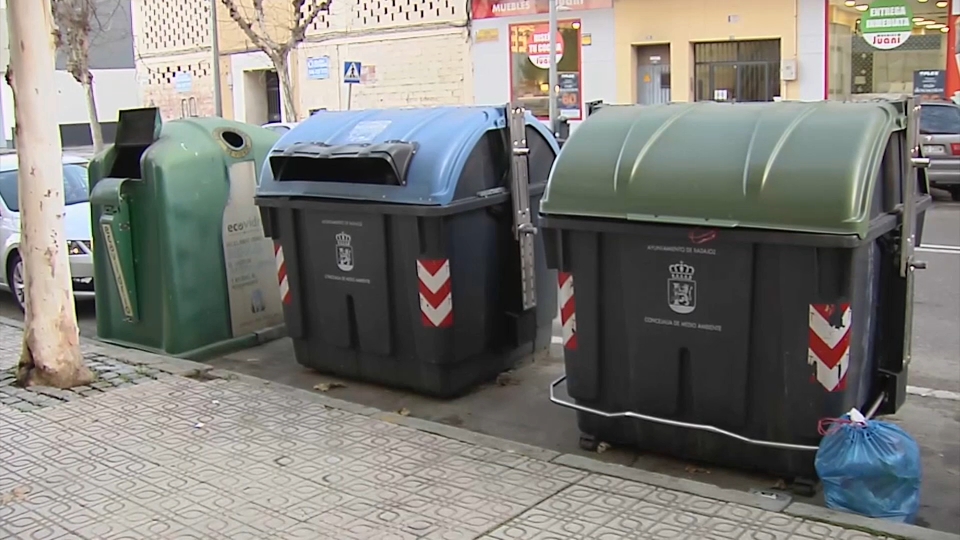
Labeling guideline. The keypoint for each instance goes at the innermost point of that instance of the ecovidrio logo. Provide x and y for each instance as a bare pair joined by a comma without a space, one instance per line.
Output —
887,24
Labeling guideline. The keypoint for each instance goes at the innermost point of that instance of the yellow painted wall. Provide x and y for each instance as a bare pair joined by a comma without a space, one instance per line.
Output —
683,22
278,19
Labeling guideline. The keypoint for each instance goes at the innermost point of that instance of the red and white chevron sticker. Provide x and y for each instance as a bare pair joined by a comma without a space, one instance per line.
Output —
829,345
436,292
281,273
568,310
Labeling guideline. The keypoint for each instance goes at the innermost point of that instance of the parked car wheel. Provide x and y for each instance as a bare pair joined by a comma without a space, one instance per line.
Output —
15,279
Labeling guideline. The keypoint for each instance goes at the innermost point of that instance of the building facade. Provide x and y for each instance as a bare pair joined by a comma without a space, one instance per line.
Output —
250,87
742,50
648,51
891,46
732,50
409,53
173,56
444,52
511,54
114,78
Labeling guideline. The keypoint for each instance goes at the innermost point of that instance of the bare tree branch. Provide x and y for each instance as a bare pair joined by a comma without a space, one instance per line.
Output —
302,21
255,28
261,42
261,17
73,24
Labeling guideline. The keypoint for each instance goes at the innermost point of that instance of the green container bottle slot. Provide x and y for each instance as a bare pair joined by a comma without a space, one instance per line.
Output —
114,225
182,266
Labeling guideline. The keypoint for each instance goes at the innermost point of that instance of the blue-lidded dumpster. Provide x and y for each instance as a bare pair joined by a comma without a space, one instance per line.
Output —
407,245
729,298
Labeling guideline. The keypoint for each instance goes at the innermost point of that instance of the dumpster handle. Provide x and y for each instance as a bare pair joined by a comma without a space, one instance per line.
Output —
675,423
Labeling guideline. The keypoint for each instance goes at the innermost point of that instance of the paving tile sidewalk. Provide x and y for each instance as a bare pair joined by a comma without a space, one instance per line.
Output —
234,458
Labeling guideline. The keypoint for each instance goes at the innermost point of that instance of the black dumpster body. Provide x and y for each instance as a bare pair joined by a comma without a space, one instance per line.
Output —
394,234
724,303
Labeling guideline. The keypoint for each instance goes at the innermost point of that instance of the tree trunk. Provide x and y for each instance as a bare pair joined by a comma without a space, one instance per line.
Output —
281,63
51,343
96,132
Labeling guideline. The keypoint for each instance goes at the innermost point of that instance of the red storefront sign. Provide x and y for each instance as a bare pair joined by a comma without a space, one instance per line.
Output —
538,48
489,9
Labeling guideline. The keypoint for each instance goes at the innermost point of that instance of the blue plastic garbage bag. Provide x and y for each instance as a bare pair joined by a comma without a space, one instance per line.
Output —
872,469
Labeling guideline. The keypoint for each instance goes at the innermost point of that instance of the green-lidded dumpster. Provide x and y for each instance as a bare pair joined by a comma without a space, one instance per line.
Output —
182,266
731,274
410,250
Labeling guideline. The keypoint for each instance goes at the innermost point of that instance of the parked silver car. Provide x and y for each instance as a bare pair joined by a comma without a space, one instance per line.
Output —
940,141
279,127
76,226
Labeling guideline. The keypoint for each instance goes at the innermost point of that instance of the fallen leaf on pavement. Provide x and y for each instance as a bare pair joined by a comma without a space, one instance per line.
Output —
404,412
695,470
326,387
603,447
16,494
507,379
780,484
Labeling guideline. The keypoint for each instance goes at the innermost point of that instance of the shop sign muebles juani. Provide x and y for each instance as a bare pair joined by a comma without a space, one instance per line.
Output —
489,9
887,24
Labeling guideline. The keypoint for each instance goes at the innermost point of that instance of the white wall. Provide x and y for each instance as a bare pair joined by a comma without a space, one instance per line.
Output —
6,110
491,60
114,89
811,36
6,97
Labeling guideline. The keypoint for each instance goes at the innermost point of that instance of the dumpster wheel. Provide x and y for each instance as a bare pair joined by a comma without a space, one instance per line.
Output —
804,487
589,442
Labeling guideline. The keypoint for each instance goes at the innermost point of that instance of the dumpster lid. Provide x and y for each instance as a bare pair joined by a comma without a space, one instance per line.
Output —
797,166
407,156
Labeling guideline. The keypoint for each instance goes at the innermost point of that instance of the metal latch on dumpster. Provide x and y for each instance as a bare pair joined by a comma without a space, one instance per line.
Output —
908,262
523,228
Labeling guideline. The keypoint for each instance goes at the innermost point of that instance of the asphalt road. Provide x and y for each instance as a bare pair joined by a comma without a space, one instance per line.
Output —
936,325
519,408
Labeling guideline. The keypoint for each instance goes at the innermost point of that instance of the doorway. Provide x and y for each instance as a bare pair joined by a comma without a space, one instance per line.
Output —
261,89
653,74
272,87
737,70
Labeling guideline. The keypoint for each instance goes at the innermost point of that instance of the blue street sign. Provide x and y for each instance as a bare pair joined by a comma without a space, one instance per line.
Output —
183,81
318,68
351,72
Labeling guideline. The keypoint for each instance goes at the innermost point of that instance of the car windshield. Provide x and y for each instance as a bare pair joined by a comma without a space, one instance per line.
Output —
940,120
75,186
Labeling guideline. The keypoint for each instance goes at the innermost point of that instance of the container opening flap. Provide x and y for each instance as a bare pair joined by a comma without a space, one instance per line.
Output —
381,164
137,129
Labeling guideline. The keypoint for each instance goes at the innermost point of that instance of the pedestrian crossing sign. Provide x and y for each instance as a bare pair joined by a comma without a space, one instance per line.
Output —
351,72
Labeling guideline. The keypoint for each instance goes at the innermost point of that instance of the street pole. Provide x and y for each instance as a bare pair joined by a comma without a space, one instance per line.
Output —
552,94
51,340
215,46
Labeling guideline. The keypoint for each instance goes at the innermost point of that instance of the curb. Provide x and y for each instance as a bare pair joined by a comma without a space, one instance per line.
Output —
853,521
187,368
